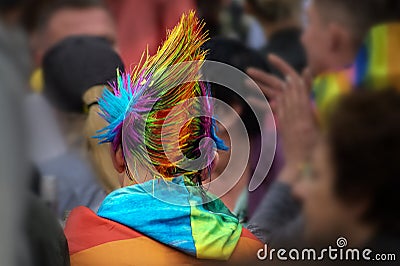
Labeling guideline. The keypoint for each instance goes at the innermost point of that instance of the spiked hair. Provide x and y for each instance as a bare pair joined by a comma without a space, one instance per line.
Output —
161,112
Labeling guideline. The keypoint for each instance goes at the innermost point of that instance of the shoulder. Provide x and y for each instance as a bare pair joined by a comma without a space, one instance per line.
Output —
247,247
94,240
84,230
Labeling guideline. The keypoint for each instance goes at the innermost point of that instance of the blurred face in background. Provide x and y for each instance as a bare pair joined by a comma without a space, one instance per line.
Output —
94,21
326,216
328,43
315,40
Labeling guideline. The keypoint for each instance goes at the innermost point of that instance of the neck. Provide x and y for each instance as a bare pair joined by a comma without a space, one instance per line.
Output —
135,176
346,59
272,28
337,62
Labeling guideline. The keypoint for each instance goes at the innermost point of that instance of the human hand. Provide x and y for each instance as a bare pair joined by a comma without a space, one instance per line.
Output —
290,102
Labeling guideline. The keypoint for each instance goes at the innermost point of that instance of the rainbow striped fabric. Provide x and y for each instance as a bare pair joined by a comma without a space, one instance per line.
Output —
134,226
376,67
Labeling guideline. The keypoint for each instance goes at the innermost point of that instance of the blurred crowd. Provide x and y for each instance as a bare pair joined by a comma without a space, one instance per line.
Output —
330,70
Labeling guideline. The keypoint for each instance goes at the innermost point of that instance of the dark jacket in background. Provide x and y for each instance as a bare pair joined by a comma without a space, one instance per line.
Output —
287,44
46,239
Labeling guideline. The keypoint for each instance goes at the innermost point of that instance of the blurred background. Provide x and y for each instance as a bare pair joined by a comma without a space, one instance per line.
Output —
56,57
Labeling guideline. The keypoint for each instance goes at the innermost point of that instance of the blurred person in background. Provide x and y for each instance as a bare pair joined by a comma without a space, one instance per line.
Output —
30,234
142,24
228,19
330,45
281,21
51,135
14,64
71,68
99,154
59,19
86,66
237,55
282,24
351,187
56,21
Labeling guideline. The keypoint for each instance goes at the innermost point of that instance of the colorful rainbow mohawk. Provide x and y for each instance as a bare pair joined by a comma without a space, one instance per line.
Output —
377,67
162,113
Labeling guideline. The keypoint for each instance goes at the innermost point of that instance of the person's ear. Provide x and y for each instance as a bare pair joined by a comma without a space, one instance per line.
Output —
339,38
118,160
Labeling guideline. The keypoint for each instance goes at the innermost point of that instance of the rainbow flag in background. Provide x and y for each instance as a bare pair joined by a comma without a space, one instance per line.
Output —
376,67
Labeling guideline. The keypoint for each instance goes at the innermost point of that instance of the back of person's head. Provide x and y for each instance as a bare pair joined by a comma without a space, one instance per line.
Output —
359,16
237,55
76,64
276,11
365,147
159,115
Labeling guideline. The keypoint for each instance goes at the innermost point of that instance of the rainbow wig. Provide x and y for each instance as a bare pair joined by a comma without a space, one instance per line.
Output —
161,113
